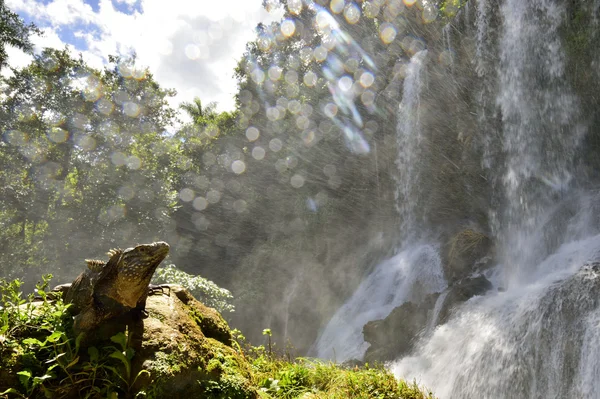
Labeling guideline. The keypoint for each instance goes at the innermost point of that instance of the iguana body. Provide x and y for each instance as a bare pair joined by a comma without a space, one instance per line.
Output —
113,288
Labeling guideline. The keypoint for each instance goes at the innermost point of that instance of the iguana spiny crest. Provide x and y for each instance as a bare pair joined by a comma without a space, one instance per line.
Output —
109,289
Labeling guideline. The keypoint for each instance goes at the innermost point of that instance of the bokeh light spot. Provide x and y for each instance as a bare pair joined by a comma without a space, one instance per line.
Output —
58,135
297,181
258,153
252,133
118,158
275,73
213,196
294,6
288,27
126,193
133,162
387,33
131,109
238,167
192,51
240,206
275,145
345,83
320,53
104,106
310,79
352,13
200,203
186,194
367,79
337,6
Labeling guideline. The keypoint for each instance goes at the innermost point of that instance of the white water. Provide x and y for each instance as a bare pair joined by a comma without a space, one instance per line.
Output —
409,144
513,344
539,339
410,275
416,270
539,137
437,308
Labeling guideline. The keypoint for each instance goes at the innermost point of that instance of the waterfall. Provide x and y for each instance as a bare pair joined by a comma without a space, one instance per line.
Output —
416,270
409,275
409,140
538,339
520,343
437,308
539,135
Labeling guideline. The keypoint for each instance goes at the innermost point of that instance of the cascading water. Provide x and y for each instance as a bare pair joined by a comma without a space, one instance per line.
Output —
416,270
539,338
409,139
407,276
539,136
524,342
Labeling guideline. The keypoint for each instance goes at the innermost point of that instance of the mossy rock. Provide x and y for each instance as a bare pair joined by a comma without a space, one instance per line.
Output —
185,349
467,252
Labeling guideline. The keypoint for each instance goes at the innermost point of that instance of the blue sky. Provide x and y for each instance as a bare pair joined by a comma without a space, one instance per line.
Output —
189,45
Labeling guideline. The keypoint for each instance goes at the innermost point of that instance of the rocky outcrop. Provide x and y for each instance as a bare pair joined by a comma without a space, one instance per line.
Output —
396,335
460,293
186,349
181,349
467,252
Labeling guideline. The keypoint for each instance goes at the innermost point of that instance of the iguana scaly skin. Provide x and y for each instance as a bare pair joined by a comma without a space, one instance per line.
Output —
111,289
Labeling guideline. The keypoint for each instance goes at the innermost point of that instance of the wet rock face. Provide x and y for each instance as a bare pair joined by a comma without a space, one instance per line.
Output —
396,335
462,292
467,252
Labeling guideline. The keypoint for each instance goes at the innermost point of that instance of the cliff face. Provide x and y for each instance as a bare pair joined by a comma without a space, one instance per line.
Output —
507,131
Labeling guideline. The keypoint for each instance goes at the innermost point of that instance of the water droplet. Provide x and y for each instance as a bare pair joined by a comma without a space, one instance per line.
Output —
258,153
297,181
200,203
238,167
186,195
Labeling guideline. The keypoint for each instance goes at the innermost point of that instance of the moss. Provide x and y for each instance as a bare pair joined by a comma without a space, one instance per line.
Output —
463,251
175,358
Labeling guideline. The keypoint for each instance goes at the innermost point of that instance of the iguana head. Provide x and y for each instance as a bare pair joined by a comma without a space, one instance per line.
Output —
135,269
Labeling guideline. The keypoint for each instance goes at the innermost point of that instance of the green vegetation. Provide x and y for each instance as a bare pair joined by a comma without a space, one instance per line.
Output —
41,358
204,290
309,378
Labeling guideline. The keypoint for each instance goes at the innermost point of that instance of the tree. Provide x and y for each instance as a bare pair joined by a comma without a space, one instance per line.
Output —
14,32
84,161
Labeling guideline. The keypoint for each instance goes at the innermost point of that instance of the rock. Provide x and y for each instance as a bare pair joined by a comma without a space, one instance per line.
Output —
396,334
462,292
186,349
467,252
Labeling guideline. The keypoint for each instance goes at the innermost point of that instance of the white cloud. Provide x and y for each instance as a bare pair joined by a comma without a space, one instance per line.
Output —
214,33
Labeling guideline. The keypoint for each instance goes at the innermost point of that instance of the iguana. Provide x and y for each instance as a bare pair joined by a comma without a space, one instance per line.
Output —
114,288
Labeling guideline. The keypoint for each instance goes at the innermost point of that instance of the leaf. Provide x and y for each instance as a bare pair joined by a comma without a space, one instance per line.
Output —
124,360
11,390
33,341
78,341
39,380
73,362
120,339
24,377
93,353
55,336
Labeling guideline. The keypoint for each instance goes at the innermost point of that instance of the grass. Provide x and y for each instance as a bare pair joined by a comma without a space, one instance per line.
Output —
40,357
316,379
